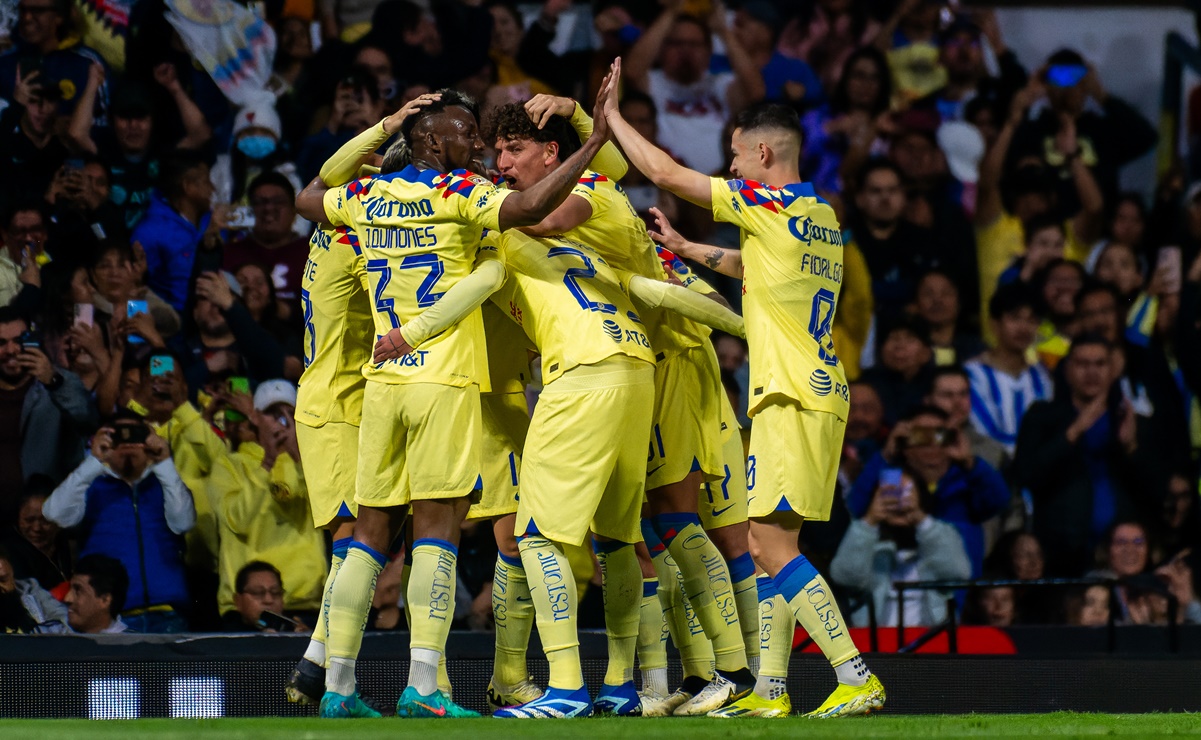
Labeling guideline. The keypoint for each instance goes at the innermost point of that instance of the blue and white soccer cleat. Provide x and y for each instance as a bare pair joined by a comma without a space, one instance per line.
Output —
622,700
341,706
553,704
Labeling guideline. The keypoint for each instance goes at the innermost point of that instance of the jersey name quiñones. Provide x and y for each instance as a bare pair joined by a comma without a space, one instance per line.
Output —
570,303
337,329
420,231
792,272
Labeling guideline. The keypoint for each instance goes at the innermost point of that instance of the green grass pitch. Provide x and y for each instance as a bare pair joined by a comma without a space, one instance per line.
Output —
1062,724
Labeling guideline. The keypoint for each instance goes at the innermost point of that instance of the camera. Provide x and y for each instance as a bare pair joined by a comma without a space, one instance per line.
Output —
928,436
130,434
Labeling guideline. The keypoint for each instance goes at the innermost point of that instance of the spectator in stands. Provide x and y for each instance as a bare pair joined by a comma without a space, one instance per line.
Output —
1045,242
273,315
356,107
909,37
97,595
258,589
865,433
1079,120
693,103
48,42
1180,523
131,147
226,340
176,223
271,242
37,547
130,504
81,213
951,391
1127,224
1177,575
904,367
31,148
25,606
898,539
1088,607
993,607
937,302
1018,555
263,502
1004,383
757,26
1086,459
115,275
43,412
827,33
838,136
967,491
1057,287
897,252
25,234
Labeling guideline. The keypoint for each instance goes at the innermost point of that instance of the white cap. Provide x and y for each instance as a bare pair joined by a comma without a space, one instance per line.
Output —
964,148
271,392
259,113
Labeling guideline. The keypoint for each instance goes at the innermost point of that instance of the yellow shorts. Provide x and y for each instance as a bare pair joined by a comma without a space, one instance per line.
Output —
792,470
418,441
724,502
584,465
506,423
685,435
333,452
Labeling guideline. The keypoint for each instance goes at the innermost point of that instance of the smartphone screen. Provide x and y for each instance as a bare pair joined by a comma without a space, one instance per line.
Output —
133,308
890,482
237,385
84,314
1170,261
161,365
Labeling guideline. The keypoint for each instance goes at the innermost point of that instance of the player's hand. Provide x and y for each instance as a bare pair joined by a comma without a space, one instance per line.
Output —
391,346
393,122
606,99
541,107
665,234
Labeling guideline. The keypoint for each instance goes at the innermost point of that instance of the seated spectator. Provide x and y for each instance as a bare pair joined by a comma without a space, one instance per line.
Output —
902,373
898,539
1180,523
97,596
1019,555
26,607
262,502
757,26
226,340
951,391
1057,286
967,491
1045,241
175,225
271,242
37,547
130,485
1177,575
992,607
1088,607
258,601
29,126
272,314
1146,600
1127,224
117,282
44,411
693,103
1085,457
1118,266
937,302
865,432
838,136
25,234
1004,382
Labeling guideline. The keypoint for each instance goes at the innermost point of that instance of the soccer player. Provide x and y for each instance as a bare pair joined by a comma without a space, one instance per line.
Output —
686,441
583,464
329,400
419,439
791,262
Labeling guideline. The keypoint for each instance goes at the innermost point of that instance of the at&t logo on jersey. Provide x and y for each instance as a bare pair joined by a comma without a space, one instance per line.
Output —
612,329
820,382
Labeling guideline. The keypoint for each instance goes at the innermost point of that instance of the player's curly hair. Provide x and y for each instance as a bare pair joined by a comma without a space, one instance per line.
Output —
510,122
450,99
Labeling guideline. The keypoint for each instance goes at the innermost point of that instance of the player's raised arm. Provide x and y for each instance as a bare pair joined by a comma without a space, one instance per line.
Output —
652,161
725,261
649,293
528,207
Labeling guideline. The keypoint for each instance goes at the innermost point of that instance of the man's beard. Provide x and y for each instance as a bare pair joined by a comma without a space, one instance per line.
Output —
11,379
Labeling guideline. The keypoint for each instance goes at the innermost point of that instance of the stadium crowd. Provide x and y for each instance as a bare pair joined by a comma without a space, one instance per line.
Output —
1022,337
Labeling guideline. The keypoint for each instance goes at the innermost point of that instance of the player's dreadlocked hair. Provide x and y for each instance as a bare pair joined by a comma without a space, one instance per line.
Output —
510,122
450,99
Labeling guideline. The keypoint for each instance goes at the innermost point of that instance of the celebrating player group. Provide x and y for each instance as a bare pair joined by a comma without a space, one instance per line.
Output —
429,290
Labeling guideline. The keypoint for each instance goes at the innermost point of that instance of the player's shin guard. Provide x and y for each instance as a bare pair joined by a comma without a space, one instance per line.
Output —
776,626
431,592
707,585
552,589
809,597
350,601
696,652
315,652
652,640
513,615
621,584
746,600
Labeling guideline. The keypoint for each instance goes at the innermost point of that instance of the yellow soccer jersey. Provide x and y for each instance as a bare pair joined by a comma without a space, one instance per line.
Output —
508,350
419,231
619,235
792,271
568,300
337,329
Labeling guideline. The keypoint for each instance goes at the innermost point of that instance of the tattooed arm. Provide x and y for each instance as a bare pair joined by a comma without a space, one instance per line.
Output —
725,261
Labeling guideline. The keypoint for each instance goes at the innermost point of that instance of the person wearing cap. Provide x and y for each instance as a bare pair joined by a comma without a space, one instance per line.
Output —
30,150
757,26
129,146
48,54
1108,133
259,495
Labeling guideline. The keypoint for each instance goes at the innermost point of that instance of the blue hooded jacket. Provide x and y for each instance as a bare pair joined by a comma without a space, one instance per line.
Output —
170,242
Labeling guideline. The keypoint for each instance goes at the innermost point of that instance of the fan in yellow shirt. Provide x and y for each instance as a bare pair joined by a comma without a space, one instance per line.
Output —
791,264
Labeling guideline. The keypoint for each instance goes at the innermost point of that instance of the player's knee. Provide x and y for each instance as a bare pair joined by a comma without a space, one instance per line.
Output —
730,541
